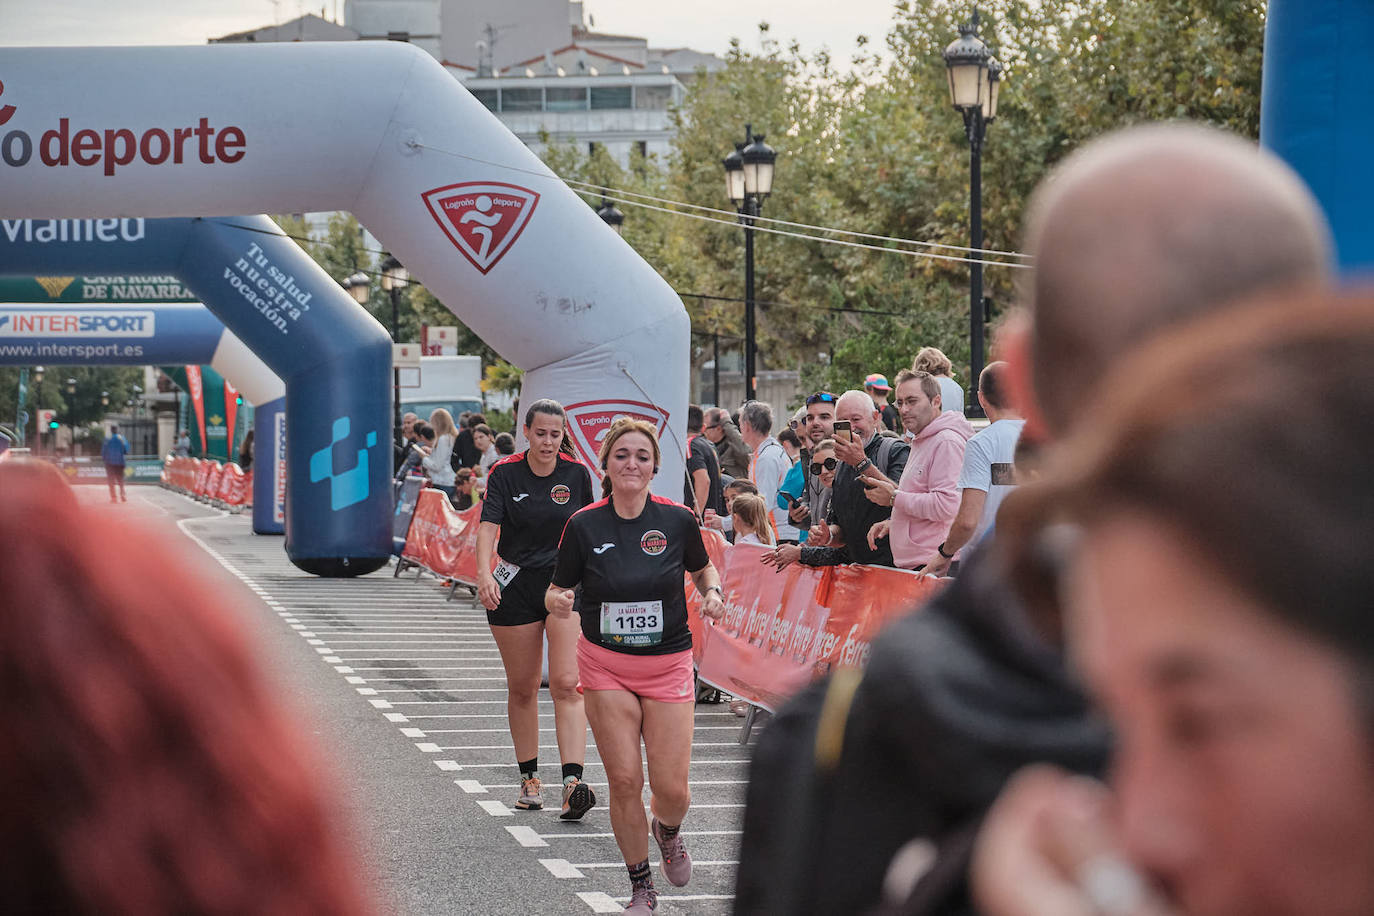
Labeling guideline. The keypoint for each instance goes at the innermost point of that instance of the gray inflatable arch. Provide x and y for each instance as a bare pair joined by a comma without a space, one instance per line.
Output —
379,129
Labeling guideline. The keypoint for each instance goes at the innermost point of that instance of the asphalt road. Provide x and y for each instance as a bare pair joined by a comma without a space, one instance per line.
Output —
403,693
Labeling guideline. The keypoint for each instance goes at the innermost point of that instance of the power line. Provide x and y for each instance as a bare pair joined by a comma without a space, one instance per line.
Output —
733,218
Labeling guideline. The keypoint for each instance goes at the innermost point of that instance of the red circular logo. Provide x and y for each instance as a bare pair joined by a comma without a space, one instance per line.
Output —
560,494
654,542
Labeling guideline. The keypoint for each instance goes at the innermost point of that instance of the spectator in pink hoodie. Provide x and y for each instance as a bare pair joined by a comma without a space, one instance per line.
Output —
926,499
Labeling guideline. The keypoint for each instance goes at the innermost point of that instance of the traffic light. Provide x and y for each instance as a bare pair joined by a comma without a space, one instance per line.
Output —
53,424
47,420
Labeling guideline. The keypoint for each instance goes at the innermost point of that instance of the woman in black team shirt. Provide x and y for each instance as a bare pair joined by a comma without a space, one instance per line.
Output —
530,497
629,552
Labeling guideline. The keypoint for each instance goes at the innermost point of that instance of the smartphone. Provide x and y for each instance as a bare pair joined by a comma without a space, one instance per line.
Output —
791,500
842,431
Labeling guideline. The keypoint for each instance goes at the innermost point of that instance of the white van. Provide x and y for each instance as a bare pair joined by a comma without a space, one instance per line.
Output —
451,382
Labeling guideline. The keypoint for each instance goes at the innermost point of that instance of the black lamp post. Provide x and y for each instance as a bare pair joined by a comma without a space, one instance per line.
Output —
748,182
610,215
71,413
974,77
37,410
139,435
394,277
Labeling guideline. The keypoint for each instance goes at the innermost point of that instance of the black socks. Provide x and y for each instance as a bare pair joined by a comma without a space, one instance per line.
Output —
529,768
572,770
640,876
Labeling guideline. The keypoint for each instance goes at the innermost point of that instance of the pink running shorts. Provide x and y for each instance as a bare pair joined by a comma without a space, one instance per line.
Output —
665,678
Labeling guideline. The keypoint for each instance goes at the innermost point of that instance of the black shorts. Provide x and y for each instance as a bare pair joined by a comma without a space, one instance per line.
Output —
522,601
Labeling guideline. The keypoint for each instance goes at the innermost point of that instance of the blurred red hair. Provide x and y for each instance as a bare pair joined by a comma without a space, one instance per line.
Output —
144,768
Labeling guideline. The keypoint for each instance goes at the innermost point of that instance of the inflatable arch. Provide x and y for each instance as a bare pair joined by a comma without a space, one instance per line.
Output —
1317,114
332,358
153,333
382,130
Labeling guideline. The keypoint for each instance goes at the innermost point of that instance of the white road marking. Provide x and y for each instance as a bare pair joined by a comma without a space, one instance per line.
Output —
396,717
380,704
471,786
333,659
528,837
561,868
412,733
426,747
448,766
354,679
367,691
599,901
495,808
343,669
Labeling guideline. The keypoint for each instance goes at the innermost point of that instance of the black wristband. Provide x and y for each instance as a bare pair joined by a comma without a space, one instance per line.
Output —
941,551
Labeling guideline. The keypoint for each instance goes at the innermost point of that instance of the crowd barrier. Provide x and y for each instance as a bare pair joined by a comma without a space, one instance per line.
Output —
226,486
780,630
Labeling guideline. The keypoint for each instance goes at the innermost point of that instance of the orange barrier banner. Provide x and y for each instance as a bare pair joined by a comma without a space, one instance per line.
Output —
716,548
782,629
442,539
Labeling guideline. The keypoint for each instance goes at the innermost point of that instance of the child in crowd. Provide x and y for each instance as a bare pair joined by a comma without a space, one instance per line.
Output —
749,517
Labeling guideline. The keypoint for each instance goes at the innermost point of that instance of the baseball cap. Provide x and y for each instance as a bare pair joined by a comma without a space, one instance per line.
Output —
877,382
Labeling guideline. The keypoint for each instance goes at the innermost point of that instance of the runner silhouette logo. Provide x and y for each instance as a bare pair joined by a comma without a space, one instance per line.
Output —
482,218
348,487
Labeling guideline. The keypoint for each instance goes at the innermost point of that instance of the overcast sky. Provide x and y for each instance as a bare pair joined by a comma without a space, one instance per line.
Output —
706,25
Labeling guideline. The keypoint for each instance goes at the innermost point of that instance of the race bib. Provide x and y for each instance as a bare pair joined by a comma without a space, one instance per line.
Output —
504,572
632,623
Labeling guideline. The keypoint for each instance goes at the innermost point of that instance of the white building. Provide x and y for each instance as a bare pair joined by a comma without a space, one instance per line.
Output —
542,68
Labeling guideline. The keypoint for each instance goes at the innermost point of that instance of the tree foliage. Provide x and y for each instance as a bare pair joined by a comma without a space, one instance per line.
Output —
879,150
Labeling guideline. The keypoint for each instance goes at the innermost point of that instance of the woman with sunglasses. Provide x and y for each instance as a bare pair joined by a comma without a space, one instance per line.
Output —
822,470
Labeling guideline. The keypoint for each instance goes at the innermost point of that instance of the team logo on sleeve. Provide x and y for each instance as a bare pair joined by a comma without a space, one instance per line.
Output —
560,494
654,542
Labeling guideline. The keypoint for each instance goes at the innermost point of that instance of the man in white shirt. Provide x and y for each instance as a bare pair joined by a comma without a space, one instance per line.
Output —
986,477
769,463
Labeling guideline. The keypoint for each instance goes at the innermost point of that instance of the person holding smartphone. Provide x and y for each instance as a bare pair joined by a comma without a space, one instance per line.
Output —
629,553
857,503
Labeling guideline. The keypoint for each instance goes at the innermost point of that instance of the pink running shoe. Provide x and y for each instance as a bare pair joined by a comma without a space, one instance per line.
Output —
643,900
677,864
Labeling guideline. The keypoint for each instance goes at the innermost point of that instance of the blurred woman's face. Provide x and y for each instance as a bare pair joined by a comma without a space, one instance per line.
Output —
481,440
1244,770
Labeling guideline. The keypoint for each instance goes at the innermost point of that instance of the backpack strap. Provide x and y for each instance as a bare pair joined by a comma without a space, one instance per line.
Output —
885,453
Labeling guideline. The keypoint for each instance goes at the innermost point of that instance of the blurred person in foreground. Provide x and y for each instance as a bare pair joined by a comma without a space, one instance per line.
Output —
147,767
1133,233
1213,569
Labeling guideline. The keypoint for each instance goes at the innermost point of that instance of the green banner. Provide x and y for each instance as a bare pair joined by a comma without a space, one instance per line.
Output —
94,290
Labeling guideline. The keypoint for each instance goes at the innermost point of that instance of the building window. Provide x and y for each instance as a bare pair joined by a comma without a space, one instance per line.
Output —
653,98
487,97
522,99
643,147
612,97
564,98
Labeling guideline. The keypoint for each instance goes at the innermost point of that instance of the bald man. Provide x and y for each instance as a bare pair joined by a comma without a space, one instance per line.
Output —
1132,233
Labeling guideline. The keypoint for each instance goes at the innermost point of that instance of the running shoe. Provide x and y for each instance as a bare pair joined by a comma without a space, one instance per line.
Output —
677,864
643,900
578,799
530,799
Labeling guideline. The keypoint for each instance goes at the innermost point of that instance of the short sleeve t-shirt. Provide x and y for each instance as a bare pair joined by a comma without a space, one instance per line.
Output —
701,456
532,510
638,562
988,467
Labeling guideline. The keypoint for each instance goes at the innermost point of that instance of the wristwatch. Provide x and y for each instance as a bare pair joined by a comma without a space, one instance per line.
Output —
941,551
863,465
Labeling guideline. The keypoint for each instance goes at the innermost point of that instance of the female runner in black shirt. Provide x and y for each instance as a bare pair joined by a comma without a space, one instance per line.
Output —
629,552
530,497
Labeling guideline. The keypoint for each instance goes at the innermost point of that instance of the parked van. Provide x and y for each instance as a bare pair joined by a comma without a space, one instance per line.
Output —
451,382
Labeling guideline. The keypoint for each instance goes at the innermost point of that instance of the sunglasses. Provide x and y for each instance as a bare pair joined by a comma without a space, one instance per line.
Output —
820,397
829,465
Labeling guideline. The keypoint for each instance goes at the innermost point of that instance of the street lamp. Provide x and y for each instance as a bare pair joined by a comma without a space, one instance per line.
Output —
71,413
358,286
104,399
395,276
38,409
748,182
974,79
610,215
137,403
